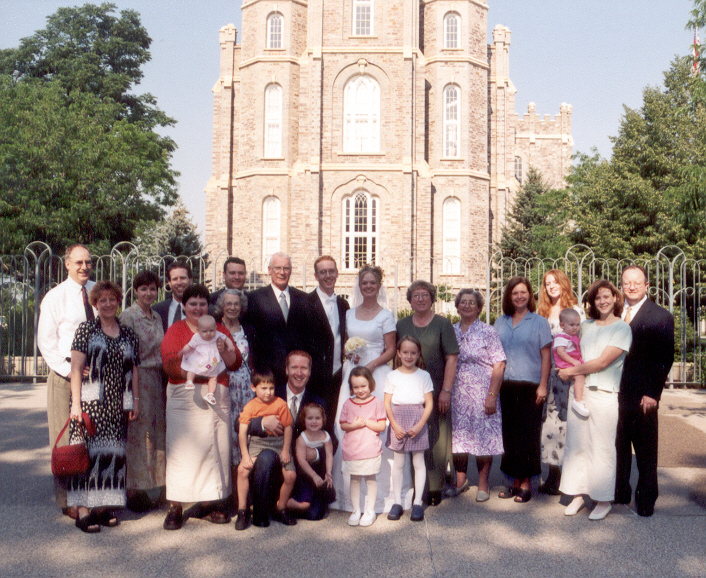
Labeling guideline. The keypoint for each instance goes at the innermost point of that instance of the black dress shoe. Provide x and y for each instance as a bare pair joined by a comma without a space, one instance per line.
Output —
395,512
261,521
645,511
284,518
434,498
241,522
174,519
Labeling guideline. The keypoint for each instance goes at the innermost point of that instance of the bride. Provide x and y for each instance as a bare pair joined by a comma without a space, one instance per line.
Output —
370,321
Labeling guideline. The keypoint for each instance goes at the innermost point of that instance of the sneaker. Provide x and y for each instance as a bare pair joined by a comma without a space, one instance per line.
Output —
417,513
189,385
367,519
354,520
580,408
395,512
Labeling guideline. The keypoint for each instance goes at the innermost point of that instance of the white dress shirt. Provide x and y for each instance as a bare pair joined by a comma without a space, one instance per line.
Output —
331,307
278,292
173,306
634,309
61,312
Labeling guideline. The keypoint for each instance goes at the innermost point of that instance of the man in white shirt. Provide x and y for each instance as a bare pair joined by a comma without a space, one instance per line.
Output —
180,277
62,310
326,315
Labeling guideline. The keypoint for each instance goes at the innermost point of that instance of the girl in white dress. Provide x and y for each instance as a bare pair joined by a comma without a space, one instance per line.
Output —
370,321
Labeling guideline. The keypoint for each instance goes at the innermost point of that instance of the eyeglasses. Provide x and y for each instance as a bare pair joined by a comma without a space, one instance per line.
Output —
421,296
281,269
326,272
633,284
466,303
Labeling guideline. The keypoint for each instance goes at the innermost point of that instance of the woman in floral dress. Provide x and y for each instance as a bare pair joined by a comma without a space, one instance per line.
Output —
476,421
110,351
232,305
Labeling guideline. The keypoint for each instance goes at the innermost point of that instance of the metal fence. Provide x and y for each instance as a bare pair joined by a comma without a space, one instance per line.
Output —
676,282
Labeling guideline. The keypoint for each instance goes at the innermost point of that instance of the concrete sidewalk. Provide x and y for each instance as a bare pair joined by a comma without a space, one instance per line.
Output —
459,537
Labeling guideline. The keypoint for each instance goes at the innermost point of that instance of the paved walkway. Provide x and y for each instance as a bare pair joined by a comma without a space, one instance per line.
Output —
459,537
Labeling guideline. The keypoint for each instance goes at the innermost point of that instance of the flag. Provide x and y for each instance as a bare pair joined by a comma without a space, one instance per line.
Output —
696,48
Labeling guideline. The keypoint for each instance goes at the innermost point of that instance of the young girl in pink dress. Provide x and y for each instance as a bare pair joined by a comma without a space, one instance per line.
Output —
362,419
201,356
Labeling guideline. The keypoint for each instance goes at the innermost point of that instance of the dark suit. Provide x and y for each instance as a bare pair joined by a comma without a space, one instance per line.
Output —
163,309
320,344
273,338
645,370
266,475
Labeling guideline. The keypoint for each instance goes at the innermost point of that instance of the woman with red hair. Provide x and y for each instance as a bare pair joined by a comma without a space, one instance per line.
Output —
555,294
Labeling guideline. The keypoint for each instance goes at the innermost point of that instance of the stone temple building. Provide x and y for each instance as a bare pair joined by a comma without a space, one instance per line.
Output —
374,132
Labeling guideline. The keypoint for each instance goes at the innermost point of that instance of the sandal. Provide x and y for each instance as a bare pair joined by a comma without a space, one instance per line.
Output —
89,523
509,493
107,519
210,399
523,496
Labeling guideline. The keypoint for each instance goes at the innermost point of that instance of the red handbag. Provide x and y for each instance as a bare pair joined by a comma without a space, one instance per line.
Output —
72,459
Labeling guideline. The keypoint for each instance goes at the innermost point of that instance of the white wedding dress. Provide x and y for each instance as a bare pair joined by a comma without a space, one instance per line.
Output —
373,332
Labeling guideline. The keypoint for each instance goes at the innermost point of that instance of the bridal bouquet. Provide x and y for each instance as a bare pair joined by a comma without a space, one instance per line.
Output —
355,348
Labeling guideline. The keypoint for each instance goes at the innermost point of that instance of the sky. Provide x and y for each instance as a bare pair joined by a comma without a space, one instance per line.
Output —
596,56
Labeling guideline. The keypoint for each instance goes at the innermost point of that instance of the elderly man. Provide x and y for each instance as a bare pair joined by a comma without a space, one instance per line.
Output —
234,276
62,310
277,314
326,333
645,370
180,277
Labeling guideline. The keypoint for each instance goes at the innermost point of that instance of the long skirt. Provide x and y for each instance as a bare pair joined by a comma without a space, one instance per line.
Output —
590,455
198,444
522,424
554,427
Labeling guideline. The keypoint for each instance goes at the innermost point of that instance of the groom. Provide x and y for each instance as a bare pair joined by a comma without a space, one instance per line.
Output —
326,314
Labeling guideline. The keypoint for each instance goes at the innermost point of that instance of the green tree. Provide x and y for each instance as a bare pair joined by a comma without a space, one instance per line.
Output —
651,193
536,224
176,235
80,159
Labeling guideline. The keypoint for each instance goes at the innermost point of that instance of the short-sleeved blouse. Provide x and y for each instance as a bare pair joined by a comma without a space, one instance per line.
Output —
438,340
522,345
594,339
149,329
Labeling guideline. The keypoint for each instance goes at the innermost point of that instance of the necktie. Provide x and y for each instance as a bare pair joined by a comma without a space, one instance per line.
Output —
628,315
283,305
90,316
293,408
177,314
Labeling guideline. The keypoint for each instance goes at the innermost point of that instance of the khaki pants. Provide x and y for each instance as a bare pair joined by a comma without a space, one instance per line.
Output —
58,409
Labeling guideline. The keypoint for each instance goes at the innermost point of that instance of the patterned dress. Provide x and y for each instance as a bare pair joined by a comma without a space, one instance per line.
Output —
106,396
554,426
474,432
146,452
240,390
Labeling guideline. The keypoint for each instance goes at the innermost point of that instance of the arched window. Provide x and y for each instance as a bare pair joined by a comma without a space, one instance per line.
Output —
452,236
361,112
275,22
360,233
452,26
362,17
273,121
518,169
270,228
451,121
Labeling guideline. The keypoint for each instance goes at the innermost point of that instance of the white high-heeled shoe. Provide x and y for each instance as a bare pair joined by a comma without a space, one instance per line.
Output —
600,511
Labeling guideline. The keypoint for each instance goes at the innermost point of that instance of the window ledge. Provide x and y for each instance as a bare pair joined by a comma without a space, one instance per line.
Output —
272,158
451,159
453,49
346,154
357,36
275,49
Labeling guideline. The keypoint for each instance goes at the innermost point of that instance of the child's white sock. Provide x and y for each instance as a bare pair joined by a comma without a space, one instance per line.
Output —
371,484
